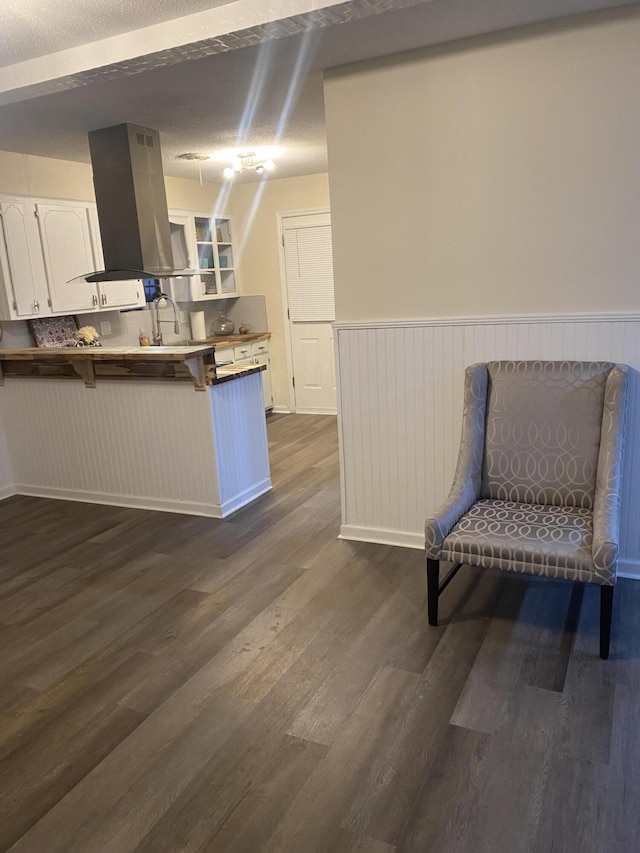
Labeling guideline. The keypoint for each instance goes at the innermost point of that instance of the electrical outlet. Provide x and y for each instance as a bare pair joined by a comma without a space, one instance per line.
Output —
105,327
184,317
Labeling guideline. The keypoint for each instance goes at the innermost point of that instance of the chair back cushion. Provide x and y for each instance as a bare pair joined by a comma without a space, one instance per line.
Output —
543,426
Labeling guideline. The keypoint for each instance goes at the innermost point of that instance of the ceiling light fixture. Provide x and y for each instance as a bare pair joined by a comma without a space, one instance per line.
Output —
257,159
244,161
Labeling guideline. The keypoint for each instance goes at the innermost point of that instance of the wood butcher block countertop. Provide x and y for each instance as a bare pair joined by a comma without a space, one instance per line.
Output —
232,340
195,362
176,353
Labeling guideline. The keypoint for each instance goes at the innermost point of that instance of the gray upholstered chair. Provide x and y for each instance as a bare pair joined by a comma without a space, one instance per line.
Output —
537,485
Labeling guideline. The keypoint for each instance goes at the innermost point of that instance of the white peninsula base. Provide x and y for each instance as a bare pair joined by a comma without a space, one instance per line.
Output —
151,445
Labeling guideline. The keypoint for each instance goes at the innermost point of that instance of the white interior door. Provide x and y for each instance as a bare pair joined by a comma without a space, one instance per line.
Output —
308,265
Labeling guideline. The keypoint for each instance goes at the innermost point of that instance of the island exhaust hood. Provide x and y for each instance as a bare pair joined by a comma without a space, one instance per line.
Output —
132,203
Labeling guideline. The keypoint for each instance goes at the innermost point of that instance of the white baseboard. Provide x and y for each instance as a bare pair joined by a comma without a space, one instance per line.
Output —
627,568
380,536
157,504
244,498
7,492
285,410
133,501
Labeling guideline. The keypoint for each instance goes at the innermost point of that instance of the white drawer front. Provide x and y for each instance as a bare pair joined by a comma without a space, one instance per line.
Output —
242,351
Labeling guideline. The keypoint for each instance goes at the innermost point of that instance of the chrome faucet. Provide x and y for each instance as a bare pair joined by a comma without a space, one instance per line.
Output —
160,300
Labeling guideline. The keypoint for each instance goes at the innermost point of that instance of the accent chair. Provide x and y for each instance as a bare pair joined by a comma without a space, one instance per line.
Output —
537,483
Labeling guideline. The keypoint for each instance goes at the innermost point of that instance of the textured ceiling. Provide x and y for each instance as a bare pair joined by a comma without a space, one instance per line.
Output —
221,77
33,28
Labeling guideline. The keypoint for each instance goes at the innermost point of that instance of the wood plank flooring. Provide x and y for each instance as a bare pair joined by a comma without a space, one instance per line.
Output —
172,683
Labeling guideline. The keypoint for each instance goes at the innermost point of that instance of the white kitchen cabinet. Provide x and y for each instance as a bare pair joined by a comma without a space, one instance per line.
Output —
242,352
44,246
66,244
203,245
128,293
260,355
224,355
120,294
251,352
23,291
183,242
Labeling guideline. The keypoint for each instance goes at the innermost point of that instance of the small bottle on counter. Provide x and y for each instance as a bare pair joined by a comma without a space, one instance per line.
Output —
244,328
143,338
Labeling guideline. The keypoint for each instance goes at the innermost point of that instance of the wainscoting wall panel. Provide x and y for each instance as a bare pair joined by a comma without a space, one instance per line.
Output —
63,439
240,441
7,487
400,402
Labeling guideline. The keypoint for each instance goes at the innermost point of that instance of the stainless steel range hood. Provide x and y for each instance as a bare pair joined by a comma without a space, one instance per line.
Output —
132,203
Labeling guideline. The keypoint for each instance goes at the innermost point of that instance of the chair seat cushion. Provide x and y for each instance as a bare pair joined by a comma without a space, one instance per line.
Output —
529,538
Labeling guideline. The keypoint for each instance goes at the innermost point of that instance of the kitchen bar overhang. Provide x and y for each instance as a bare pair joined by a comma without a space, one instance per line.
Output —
167,363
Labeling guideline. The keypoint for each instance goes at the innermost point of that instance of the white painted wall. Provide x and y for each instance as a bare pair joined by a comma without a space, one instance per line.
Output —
47,177
496,175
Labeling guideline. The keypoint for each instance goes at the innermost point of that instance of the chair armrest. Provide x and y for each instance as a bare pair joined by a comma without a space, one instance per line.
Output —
467,481
606,508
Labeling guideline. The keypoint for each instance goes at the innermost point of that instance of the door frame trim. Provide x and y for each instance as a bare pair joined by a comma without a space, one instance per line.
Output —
281,216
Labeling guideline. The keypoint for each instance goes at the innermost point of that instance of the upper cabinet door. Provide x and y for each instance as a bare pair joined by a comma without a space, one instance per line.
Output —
25,284
121,294
66,242
183,242
202,249
112,294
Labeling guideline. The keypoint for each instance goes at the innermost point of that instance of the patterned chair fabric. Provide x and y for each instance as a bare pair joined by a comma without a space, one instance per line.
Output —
537,485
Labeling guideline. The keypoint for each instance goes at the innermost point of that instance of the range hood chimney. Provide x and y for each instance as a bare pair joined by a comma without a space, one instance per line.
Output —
132,203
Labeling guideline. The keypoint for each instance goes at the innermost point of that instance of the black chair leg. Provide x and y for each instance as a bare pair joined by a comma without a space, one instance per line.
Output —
606,609
433,583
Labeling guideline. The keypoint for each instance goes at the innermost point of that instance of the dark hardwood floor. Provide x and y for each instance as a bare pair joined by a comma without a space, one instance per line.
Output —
172,683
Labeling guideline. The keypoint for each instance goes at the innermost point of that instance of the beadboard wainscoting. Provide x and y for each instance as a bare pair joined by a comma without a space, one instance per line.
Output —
7,487
150,445
400,411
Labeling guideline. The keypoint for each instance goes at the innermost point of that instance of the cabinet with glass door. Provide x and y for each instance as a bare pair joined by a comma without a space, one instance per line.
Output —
212,250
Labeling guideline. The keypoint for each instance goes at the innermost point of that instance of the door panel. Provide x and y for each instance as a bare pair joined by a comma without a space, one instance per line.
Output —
115,294
24,258
309,276
67,254
313,357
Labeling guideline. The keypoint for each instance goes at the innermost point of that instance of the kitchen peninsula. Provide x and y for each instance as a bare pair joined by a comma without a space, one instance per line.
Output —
160,428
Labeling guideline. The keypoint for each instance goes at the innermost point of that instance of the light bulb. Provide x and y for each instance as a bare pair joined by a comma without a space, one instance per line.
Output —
236,164
229,173
269,165
260,168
